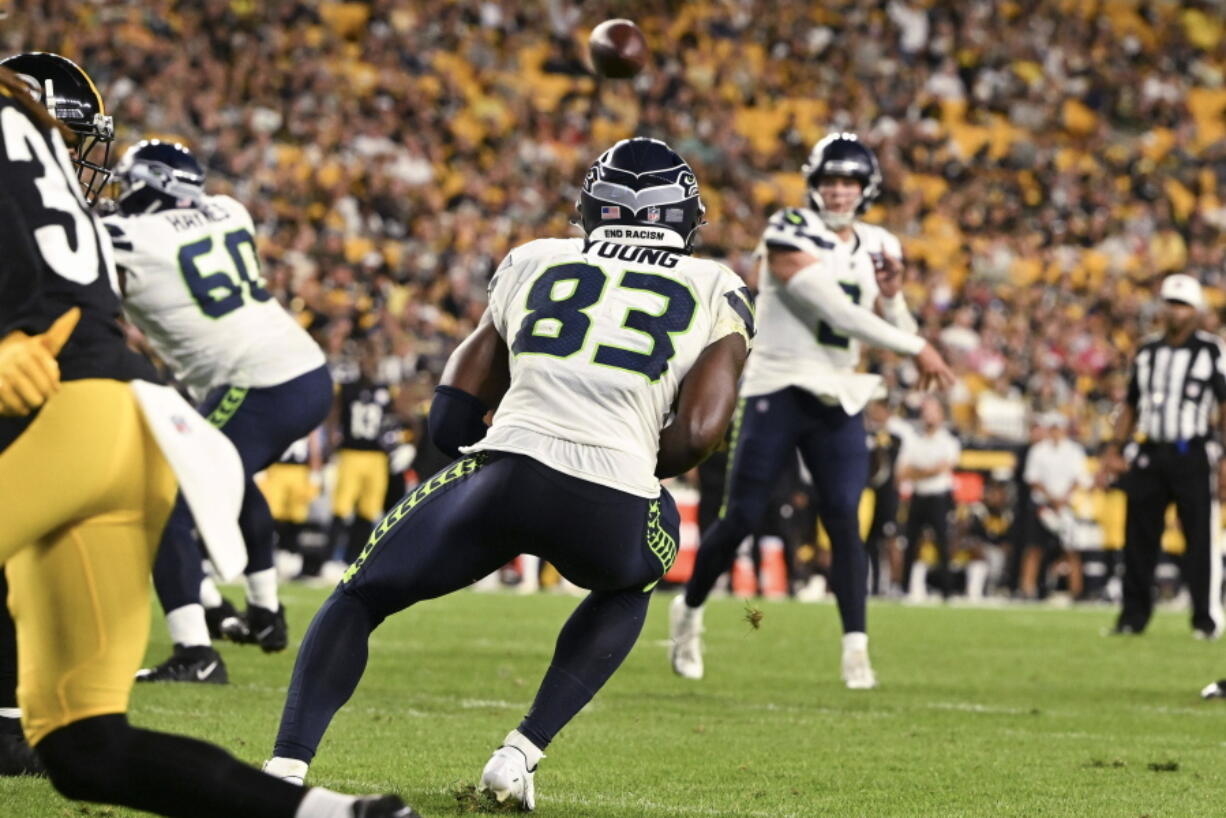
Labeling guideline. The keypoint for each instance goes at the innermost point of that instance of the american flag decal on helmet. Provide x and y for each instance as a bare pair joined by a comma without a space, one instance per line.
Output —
610,212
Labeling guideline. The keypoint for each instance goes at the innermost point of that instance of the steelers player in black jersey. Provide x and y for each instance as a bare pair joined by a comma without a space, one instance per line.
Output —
990,534
87,489
363,412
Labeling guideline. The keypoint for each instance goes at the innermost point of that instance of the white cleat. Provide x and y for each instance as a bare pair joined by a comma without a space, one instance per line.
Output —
508,774
1216,690
857,670
685,631
289,770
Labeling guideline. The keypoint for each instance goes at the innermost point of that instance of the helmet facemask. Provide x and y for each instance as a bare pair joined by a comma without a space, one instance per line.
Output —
94,175
845,156
836,220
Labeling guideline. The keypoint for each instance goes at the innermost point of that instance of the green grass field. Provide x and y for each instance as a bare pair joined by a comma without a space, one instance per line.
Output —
1003,712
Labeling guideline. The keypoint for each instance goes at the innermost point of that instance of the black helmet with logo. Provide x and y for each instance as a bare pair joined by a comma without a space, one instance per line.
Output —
640,191
72,98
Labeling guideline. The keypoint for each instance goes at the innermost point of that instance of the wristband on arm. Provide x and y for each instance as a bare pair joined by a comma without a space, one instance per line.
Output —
456,419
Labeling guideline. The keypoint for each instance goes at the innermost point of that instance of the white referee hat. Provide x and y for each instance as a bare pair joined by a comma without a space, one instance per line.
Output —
1183,288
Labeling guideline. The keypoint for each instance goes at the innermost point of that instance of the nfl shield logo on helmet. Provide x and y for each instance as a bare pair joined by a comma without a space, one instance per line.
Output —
653,214
610,212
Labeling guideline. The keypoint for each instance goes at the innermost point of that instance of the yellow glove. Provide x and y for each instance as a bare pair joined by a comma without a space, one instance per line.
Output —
29,374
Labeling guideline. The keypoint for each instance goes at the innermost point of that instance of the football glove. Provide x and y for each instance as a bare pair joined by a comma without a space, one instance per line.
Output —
29,374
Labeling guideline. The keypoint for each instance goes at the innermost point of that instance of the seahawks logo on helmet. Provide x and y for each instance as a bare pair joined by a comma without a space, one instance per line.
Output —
640,191
842,154
155,175
72,98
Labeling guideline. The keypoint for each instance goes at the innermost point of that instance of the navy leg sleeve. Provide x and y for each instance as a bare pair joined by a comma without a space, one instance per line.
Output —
836,453
765,431
329,666
259,531
177,570
592,645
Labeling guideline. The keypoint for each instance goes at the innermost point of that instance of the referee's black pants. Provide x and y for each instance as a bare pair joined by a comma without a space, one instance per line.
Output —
933,511
1186,474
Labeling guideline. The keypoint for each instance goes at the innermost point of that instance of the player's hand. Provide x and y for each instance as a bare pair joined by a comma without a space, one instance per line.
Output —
29,374
889,271
934,372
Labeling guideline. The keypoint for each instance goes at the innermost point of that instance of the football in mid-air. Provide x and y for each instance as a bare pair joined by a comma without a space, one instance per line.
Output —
618,49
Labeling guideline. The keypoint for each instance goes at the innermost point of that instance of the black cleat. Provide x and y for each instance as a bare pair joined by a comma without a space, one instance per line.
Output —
383,806
258,626
17,757
215,616
199,664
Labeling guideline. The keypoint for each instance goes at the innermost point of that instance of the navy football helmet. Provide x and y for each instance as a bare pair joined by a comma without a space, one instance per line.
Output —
155,175
72,98
842,154
640,191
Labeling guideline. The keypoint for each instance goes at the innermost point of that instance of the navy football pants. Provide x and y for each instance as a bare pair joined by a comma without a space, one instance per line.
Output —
466,521
767,431
262,423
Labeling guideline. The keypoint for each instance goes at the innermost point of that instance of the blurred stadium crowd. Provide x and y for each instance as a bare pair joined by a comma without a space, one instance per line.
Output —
1046,161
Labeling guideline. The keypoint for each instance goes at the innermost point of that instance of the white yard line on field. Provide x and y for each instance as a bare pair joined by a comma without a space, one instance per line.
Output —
972,707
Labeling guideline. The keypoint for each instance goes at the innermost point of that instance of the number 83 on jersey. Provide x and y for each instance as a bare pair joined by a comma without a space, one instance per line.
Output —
559,320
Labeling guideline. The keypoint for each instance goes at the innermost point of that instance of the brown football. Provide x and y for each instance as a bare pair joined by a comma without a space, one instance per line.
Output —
618,49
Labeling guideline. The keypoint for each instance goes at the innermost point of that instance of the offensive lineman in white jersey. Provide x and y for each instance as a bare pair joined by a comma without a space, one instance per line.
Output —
610,362
191,280
829,282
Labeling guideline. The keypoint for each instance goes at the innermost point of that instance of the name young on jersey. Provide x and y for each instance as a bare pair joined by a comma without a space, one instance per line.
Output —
633,253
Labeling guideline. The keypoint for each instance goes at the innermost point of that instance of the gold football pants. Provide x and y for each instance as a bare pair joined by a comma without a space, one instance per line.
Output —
361,483
288,489
86,495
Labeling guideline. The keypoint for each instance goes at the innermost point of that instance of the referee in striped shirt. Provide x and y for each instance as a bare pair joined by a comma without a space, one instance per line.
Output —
1165,432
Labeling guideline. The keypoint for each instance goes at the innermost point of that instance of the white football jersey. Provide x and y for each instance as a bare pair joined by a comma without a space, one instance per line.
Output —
600,337
193,287
789,349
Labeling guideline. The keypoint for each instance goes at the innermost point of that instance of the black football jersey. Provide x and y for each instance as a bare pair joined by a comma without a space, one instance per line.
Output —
990,526
883,449
365,410
54,253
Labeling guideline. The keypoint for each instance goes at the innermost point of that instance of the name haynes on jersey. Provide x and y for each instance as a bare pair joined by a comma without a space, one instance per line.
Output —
633,253
183,219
